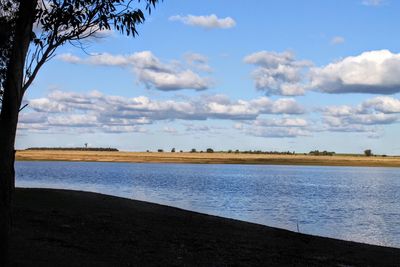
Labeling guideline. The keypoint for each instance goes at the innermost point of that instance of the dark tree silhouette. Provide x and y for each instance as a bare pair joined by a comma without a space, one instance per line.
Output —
23,52
7,23
368,152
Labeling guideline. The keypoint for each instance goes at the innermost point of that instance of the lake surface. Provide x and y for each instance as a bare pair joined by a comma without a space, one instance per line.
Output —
352,203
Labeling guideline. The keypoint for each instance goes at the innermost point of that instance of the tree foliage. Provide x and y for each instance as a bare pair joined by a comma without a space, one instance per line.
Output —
72,21
368,152
58,22
7,23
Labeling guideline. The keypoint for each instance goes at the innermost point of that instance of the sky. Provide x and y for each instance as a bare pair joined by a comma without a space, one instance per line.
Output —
283,75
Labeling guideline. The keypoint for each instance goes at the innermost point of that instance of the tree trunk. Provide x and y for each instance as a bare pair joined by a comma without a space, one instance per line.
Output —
9,118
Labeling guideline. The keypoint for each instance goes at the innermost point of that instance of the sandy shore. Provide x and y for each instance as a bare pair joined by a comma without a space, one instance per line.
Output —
227,158
71,228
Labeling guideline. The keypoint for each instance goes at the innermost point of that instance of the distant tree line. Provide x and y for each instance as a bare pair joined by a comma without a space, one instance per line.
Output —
321,153
210,150
75,148
263,152
367,152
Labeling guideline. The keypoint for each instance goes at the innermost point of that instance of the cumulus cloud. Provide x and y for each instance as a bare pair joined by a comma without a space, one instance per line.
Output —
45,105
374,72
149,69
209,21
336,40
278,73
289,127
383,104
364,117
107,113
73,120
32,118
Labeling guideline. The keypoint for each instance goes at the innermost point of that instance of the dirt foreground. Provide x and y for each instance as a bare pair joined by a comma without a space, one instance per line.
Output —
215,158
71,228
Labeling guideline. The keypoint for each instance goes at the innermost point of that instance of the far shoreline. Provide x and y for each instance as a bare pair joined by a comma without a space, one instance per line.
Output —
208,158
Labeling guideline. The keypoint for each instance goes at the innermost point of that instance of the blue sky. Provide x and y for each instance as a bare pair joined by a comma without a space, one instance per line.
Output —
274,75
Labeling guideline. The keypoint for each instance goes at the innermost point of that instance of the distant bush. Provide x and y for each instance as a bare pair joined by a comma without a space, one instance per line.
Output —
173,150
160,150
193,150
368,152
210,150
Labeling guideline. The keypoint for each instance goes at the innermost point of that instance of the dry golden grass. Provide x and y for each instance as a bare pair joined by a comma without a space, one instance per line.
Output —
216,158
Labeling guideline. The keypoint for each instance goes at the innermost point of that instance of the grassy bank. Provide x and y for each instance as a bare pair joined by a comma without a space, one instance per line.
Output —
215,158
70,228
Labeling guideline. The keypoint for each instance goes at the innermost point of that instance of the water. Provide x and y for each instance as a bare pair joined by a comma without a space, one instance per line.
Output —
351,203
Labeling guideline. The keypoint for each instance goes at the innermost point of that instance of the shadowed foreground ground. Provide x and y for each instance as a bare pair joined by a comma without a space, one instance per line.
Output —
70,228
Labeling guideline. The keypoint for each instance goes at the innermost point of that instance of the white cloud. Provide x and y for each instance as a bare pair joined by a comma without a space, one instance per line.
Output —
365,117
32,118
95,110
282,122
279,132
374,72
68,57
170,130
287,106
278,73
275,127
149,69
209,21
123,129
340,111
73,120
383,104
336,40
46,105
173,81
372,2
372,119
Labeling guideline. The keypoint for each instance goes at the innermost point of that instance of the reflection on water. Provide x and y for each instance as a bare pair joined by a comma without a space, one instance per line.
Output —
352,203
